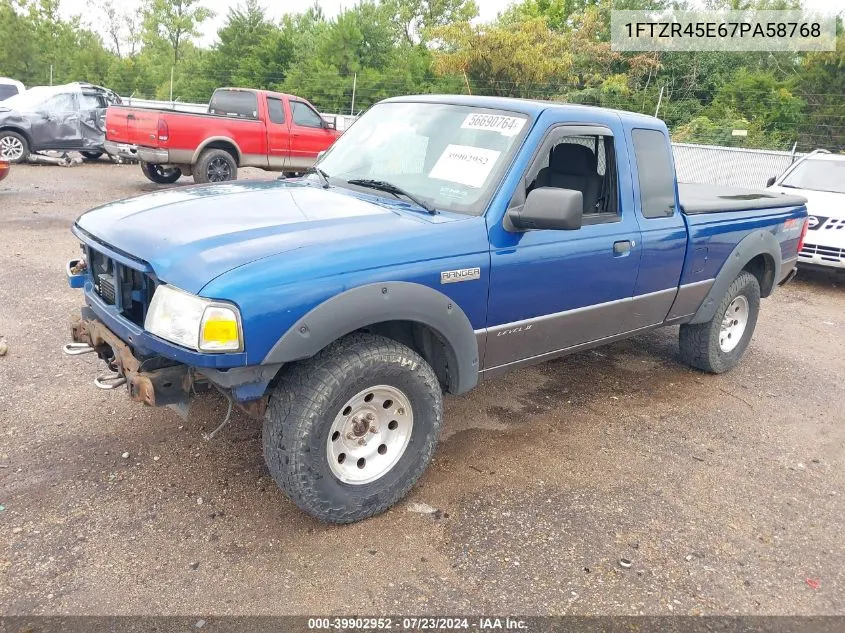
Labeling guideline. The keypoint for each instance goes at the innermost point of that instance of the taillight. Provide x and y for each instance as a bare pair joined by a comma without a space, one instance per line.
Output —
163,131
803,234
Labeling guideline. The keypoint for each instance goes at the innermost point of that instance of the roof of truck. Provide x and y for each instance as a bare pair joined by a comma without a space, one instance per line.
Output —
527,106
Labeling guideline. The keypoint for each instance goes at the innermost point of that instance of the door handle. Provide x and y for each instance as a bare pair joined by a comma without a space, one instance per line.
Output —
130,116
623,248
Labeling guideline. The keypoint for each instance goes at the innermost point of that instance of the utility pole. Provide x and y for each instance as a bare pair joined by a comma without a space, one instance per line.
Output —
354,86
171,84
659,101
51,74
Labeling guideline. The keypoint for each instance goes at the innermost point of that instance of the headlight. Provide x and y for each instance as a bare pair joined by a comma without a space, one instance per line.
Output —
194,322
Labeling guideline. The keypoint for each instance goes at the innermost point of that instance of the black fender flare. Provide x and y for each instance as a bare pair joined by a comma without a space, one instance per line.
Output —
760,242
370,304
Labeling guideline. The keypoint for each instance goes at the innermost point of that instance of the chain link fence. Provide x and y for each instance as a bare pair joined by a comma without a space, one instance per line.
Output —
730,166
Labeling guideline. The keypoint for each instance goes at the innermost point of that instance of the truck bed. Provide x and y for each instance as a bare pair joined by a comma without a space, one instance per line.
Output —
700,198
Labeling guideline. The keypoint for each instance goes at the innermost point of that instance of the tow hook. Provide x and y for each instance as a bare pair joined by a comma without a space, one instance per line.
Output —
77,349
109,382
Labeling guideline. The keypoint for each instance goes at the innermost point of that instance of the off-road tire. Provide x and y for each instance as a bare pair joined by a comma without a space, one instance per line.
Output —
699,342
208,158
161,175
22,140
91,156
304,403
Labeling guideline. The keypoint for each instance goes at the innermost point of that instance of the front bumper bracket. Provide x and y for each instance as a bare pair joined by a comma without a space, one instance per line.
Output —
154,387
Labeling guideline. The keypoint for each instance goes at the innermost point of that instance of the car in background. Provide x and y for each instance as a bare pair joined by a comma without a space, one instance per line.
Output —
10,87
819,177
5,167
61,118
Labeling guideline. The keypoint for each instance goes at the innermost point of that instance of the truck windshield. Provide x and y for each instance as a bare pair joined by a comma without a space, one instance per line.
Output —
817,175
449,156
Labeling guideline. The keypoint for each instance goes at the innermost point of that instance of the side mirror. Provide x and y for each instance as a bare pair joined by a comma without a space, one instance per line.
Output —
330,125
770,181
549,208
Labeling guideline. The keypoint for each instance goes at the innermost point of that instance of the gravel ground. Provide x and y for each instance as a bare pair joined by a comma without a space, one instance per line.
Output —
725,492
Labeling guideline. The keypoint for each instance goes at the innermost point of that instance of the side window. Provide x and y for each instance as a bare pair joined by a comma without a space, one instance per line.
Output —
276,109
585,163
7,90
91,102
305,115
654,167
64,102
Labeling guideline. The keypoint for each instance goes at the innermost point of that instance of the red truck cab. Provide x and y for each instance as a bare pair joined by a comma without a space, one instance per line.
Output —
242,128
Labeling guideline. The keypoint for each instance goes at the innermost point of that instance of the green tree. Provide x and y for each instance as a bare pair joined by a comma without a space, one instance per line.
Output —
173,22
251,50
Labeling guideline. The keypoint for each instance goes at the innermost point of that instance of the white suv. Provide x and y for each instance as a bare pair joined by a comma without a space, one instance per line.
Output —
10,88
819,177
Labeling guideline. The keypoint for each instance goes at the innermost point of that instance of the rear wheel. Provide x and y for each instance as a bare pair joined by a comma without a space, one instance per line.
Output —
718,345
215,165
91,155
160,174
13,147
349,431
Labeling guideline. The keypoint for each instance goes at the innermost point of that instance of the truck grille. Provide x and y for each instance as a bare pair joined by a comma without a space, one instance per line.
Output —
128,289
827,253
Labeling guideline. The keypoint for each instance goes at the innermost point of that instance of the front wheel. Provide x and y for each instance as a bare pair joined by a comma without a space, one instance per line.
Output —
91,156
348,432
718,345
161,175
13,147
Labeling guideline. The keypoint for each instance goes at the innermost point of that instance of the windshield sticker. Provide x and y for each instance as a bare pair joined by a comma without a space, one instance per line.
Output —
465,164
504,125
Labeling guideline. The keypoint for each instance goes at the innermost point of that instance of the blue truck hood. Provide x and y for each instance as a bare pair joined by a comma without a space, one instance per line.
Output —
192,235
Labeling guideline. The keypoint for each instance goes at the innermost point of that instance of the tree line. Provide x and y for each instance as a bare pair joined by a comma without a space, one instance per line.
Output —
549,49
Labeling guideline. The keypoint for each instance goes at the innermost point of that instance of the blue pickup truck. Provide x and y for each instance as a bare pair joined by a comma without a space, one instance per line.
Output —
441,241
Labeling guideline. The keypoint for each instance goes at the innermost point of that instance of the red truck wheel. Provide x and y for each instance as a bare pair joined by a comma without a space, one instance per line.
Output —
215,165
160,174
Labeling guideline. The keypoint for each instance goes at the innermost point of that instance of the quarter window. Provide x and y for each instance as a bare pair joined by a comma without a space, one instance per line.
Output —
276,109
655,170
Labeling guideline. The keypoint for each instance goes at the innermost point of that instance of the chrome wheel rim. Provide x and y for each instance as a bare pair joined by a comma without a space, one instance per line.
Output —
11,148
218,170
369,435
733,324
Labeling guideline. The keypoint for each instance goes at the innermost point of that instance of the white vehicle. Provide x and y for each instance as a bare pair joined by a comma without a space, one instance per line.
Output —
819,177
10,88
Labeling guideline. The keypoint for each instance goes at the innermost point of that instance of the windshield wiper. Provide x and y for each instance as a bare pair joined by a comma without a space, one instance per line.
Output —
323,176
389,187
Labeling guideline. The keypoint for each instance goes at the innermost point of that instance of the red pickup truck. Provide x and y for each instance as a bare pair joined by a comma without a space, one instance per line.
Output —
242,128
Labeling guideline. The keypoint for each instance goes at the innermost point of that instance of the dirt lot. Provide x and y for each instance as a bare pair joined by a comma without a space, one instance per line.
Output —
727,493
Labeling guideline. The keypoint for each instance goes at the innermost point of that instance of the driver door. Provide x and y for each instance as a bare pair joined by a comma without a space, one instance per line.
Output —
55,123
553,290
309,135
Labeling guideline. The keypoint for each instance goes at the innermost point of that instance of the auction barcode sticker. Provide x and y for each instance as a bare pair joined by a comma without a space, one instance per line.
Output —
504,125
465,164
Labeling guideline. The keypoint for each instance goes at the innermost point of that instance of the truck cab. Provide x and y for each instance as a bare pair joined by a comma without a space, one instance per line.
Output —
441,241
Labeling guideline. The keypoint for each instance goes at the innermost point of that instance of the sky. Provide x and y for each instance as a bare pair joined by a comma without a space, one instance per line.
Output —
489,9
274,8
